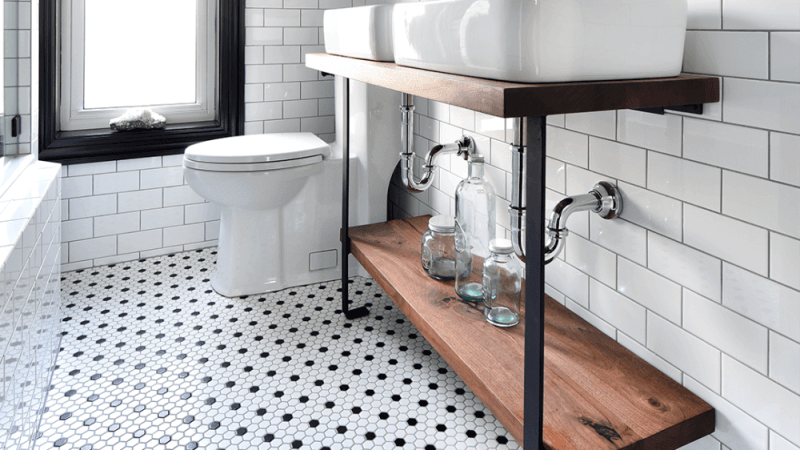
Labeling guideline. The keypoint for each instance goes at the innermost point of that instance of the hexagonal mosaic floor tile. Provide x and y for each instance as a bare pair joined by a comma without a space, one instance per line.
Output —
153,358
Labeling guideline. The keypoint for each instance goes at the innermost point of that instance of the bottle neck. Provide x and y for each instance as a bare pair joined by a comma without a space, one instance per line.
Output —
476,170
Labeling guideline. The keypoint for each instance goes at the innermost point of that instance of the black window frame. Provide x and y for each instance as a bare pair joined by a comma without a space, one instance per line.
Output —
74,147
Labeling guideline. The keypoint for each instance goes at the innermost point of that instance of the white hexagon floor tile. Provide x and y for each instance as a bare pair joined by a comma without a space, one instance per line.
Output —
152,358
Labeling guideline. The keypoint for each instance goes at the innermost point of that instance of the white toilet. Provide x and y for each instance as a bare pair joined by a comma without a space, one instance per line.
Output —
281,194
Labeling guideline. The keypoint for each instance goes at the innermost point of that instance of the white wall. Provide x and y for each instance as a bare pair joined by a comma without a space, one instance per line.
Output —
701,276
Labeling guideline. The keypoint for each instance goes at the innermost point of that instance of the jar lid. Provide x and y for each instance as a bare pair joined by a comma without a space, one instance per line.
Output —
475,158
442,223
502,246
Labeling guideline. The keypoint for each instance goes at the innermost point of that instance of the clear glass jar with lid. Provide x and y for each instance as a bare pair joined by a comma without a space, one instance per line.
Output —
502,284
438,248
475,228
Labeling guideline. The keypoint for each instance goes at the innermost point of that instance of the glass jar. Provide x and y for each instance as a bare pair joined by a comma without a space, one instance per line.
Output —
438,248
502,284
475,228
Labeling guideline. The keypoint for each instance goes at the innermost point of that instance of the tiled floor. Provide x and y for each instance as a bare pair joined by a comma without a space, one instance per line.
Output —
153,358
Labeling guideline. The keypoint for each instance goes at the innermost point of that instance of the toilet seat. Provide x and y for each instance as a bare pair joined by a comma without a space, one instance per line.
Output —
259,152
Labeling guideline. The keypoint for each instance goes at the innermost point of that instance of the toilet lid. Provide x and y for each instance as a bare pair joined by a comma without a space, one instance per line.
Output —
258,148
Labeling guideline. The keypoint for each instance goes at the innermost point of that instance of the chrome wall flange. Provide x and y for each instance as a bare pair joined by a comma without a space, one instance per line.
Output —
610,200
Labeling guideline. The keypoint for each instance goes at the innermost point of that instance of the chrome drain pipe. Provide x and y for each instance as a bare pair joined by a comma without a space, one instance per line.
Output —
462,147
517,206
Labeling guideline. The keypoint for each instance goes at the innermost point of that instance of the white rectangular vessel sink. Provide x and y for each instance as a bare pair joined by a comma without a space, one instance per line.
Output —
362,32
542,41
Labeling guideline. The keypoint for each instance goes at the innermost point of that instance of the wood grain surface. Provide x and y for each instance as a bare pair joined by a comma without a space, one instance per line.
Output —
504,99
597,394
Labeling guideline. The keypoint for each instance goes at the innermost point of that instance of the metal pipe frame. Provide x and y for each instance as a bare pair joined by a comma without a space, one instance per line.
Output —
345,231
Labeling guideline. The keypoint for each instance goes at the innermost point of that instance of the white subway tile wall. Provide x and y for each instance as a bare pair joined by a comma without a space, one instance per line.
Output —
701,275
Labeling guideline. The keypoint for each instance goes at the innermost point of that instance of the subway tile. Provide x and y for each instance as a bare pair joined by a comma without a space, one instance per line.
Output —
728,53
763,104
784,260
264,3
69,267
329,4
439,111
268,73
590,317
253,93
162,217
653,211
592,259
172,160
784,165
202,212
253,128
784,361
161,251
92,248
253,54
602,123
778,442
684,265
569,281
428,128
92,168
264,36
650,357
661,133
555,175
650,290
704,443
75,230
139,241
685,180
770,403
212,230
734,427
300,36
116,182
299,108
317,89
619,161
253,17
185,234
298,72
281,18
761,202
704,14
116,259
116,224
621,237
311,18
138,163
726,238
462,118
732,333
773,305
766,14
581,181
98,205
318,125
159,178
685,351
140,200
628,316
784,63
500,155
491,126
728,146
76,187
568,146
313,4
180,195
557,120
282,54
320,48
263,111
282,126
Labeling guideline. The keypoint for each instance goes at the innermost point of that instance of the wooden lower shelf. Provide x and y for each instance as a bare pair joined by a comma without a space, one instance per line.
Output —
597,394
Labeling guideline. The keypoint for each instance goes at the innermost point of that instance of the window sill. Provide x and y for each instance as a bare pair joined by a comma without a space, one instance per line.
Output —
76,147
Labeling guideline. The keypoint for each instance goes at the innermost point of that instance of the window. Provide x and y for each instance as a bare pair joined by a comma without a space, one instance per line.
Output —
181,58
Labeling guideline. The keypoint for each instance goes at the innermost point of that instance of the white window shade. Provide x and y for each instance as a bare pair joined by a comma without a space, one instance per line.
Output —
159,54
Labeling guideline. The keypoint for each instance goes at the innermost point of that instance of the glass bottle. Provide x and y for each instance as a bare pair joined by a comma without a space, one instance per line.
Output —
475,228
502,285
438,248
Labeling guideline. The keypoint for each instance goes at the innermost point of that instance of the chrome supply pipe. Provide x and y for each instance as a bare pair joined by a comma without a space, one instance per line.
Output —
517,206
463,147
604,199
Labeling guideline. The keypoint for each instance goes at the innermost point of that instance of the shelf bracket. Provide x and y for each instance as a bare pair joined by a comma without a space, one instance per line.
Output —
694,108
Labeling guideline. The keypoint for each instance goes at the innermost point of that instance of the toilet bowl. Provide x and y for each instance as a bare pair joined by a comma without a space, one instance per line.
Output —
254,179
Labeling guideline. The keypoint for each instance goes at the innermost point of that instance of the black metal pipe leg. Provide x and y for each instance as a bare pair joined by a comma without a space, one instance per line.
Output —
534,140
345,231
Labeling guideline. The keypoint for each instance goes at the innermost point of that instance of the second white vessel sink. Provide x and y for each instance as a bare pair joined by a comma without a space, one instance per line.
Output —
542,41
362,32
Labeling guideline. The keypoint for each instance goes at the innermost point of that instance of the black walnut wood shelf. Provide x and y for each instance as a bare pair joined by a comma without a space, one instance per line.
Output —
597,394
504,99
